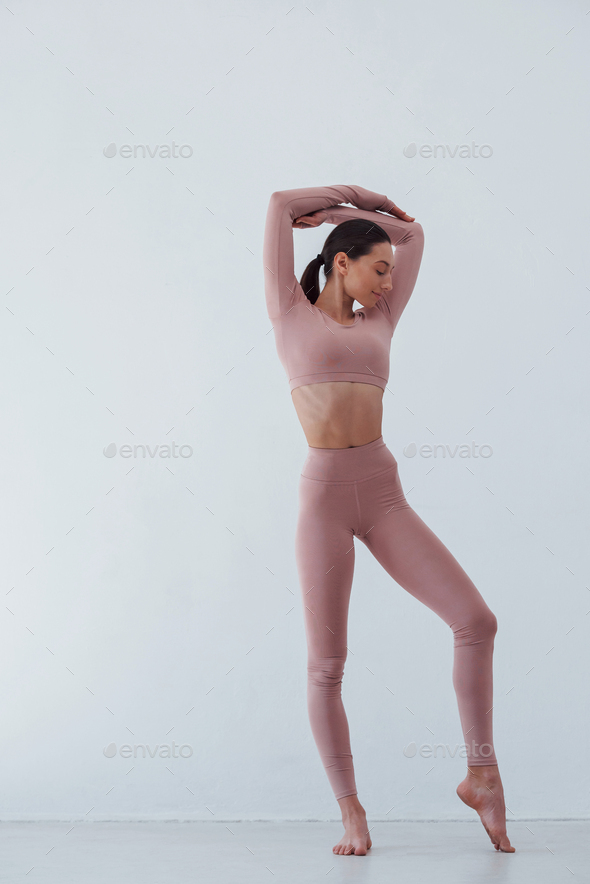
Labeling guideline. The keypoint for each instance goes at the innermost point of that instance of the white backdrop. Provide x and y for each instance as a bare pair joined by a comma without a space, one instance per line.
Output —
154,601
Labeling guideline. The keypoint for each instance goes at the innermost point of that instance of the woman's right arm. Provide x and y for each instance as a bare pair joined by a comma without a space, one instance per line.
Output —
282,290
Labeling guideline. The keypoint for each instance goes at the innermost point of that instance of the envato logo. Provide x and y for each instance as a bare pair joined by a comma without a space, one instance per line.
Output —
164,151
166,751
412,450
465,150
161,450
426,750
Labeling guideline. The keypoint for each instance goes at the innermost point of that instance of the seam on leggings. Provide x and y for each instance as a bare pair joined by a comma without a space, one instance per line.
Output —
358,508
350,481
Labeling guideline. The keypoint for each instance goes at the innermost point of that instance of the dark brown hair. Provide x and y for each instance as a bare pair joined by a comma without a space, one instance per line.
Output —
356,237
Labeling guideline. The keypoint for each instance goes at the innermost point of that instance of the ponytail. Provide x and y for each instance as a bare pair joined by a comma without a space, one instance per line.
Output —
310,281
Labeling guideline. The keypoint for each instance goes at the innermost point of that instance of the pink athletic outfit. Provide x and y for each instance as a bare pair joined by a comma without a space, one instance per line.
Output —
356,492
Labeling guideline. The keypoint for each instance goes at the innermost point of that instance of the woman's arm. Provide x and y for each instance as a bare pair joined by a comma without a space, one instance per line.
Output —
407,238
282,290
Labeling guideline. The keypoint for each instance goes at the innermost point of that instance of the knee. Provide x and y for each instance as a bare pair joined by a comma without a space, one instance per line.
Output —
479,627
326,672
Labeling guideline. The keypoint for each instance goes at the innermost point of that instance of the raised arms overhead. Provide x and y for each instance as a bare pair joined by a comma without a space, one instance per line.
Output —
282,289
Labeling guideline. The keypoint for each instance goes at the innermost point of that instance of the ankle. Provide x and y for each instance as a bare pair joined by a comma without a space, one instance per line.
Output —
484,772
351,807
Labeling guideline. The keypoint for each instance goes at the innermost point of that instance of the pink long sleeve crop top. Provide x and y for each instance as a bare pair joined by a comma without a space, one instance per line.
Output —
312,347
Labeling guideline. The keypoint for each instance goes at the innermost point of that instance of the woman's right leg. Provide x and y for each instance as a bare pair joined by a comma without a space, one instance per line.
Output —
324,551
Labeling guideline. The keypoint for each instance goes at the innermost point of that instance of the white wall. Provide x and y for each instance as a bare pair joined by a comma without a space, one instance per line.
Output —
157,600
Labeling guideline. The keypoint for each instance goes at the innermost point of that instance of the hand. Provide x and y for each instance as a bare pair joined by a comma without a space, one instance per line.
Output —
399,213
312,220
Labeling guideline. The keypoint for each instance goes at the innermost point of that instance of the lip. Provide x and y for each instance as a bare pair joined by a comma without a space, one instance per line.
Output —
378,294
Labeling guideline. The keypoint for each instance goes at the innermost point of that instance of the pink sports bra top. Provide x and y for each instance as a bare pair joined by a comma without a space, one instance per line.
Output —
313,347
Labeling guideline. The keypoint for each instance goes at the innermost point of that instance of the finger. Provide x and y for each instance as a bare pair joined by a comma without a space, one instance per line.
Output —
404,216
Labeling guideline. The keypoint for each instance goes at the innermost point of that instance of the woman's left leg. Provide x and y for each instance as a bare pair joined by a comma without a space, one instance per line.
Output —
416,559
422,565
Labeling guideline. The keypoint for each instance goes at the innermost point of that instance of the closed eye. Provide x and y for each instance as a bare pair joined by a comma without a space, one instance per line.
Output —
380,273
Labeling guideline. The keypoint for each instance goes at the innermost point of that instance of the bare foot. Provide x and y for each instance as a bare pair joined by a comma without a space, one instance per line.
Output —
356,839
482,790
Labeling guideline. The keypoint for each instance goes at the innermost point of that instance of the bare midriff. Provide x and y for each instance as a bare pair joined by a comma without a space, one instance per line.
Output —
339,414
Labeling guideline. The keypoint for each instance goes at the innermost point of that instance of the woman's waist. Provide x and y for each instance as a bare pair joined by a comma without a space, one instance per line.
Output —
351,464
339,414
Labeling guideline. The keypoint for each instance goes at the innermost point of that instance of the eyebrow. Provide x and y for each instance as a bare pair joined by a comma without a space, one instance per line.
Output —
382,261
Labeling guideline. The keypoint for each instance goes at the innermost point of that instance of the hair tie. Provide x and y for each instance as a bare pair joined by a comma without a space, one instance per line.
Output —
319,258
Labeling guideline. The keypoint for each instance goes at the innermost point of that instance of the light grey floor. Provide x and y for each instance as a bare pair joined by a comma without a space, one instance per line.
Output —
240,853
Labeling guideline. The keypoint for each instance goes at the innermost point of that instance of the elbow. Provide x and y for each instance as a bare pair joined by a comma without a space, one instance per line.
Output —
280,203
418,233
278,196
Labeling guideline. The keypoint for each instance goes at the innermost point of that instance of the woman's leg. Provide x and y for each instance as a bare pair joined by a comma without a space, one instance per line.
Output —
325,561
416,559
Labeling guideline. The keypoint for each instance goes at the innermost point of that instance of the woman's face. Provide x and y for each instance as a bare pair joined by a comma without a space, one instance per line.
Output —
367,278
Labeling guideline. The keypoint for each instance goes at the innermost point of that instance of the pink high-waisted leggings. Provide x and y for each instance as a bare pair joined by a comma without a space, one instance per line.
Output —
356,492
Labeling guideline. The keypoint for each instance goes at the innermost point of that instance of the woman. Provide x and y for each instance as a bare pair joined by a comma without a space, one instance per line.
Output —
337,362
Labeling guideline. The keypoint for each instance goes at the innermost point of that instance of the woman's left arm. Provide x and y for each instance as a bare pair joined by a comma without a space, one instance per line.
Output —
407,239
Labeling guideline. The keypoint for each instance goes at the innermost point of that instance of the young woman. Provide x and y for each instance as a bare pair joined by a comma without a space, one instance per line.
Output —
337,363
